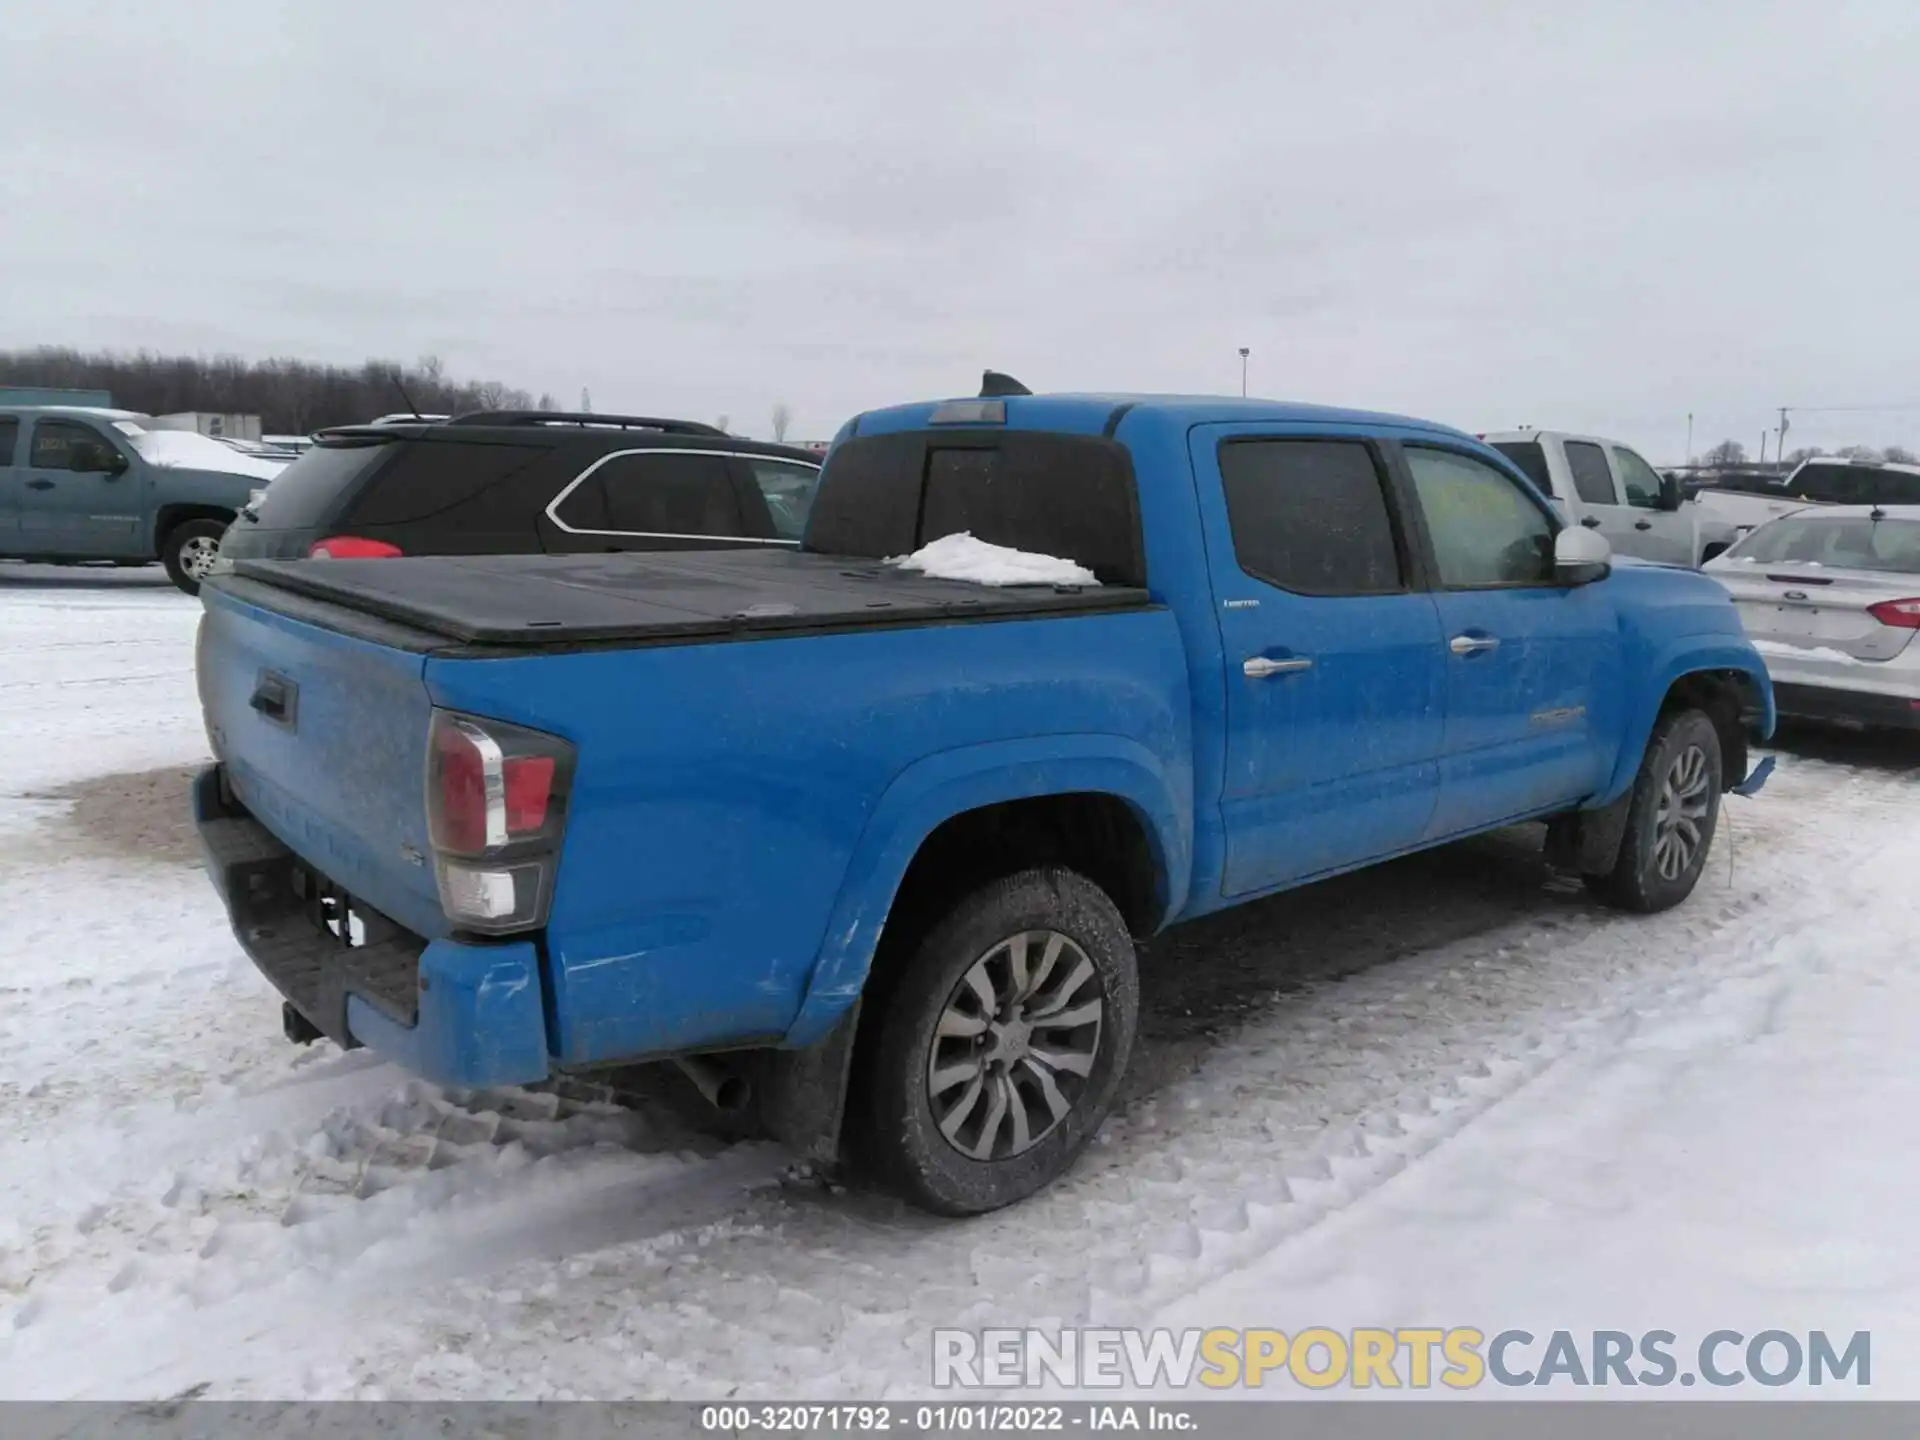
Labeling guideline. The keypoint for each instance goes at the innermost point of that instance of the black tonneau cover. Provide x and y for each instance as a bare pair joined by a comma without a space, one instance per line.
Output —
544,601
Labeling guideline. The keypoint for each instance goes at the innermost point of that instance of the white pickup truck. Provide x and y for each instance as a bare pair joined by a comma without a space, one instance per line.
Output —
1605,486
1823,480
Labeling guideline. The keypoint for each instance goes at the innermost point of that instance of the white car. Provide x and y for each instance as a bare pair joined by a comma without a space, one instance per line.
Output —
1823,480
1830,596
1605,486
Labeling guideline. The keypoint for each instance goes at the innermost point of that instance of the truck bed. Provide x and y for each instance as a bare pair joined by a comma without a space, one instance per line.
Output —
522,602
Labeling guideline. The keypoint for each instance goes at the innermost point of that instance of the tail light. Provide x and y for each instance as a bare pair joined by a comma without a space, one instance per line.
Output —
352,547
1902,613
496,808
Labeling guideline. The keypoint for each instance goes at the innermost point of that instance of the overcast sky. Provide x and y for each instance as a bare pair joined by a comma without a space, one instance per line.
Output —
1595,216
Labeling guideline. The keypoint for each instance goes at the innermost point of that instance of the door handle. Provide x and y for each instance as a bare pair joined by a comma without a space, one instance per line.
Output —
1260,667
1590,522
1643,524
1472,644
276,698
39,484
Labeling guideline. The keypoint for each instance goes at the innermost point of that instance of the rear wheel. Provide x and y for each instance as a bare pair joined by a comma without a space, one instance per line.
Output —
189,551
999,1044
1671,818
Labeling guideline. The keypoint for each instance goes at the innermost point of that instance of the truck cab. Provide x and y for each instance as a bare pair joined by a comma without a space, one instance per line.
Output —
1822,480
1606,486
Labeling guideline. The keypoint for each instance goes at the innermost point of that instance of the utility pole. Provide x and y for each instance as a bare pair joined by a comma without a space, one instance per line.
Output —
1244,352
1763,447
1688,457
1780,453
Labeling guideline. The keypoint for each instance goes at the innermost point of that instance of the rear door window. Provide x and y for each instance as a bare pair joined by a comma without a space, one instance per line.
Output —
1310,516
1531,458
1591,477
9,437
667,493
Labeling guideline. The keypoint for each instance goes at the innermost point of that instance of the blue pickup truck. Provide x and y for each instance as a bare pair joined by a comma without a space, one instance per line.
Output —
873,847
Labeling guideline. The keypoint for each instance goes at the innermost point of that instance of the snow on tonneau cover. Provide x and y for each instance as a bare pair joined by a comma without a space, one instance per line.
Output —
323,737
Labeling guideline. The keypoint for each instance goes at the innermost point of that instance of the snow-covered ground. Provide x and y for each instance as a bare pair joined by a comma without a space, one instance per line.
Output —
1448,1092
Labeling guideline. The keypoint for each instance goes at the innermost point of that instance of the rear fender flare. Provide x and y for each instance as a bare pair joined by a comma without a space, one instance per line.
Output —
932,791
1674,663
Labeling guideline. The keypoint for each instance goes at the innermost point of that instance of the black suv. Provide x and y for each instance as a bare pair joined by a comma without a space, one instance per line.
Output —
523,482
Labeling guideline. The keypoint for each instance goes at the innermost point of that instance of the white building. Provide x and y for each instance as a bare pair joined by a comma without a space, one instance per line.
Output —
220,427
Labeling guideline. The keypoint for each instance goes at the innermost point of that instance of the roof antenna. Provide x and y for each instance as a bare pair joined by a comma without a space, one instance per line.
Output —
993,384
412,409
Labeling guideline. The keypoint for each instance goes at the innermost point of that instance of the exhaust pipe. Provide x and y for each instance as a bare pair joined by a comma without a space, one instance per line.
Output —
726,1090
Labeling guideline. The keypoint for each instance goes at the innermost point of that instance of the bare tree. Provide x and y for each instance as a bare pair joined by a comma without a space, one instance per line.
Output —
1859,452
1900,455
1727,452
291,397
722,423
1804,453
782,419
586,401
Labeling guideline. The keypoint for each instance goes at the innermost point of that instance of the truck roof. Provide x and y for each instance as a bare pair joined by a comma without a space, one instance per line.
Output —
1100,413
78,412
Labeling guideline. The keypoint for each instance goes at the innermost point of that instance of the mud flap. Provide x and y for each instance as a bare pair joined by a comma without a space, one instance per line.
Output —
800,1096
1587,842
1751,786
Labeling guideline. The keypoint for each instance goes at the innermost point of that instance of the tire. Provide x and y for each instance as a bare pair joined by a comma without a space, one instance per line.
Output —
1655,870
1079,961
188,548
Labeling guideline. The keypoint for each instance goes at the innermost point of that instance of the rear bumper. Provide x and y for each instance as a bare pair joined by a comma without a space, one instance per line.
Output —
452,1012
1865,708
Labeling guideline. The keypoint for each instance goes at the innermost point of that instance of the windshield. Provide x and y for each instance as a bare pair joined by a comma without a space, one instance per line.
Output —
1850,543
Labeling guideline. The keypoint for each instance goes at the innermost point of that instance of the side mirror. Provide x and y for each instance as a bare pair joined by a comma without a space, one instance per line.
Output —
1672,493
1581,556
90,457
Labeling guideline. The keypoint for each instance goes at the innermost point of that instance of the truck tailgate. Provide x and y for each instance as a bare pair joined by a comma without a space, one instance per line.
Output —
323,738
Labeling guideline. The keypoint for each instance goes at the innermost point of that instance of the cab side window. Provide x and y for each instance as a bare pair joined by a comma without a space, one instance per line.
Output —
1485,530
1638,479
9,437
54,442
1591,478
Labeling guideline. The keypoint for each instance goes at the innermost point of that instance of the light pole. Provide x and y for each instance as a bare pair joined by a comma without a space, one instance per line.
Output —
1244,352
1689,455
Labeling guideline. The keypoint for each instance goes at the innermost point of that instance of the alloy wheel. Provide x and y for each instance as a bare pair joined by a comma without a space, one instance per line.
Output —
1680,818
1015,1045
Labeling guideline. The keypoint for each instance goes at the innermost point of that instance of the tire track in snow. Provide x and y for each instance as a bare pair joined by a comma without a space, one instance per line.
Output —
1309,1107
1378,1146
